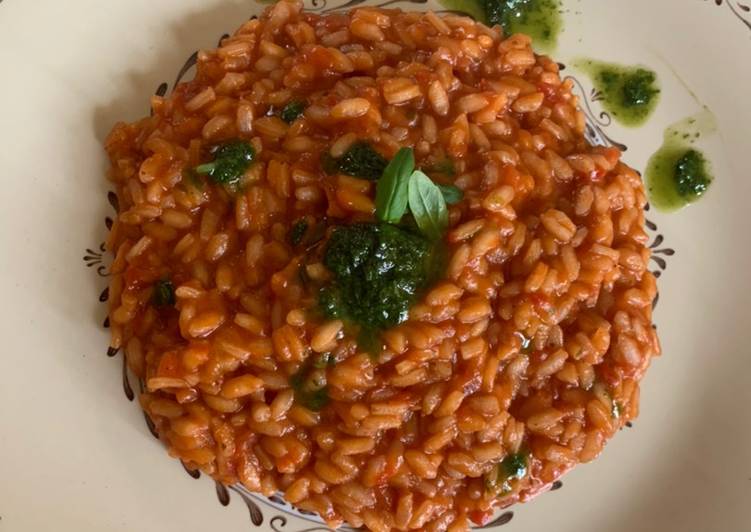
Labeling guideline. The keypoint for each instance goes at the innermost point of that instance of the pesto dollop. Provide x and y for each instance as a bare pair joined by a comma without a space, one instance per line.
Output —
628,93
540,19
691,174
679,173
360,160
378,270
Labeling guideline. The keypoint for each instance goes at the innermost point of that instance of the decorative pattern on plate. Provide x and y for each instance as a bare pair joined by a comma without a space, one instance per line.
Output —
95,257
596,123
741,10
657,251
595,134
321,6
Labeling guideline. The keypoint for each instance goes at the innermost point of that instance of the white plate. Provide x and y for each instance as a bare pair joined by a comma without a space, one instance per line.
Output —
75,454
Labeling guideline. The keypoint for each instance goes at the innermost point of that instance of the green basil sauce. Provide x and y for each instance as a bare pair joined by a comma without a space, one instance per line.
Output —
360,160
297,232
163,294
513,467
231,160
378,272
309,385
629,93
540,19
678,173
292,111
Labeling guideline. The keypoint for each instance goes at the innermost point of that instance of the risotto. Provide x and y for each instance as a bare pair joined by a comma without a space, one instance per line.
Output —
368,260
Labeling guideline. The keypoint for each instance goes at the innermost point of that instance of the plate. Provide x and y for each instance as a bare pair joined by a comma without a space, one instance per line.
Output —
75,452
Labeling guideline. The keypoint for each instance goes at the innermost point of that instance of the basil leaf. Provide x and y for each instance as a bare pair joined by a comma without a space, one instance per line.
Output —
428,206
392,188
451,194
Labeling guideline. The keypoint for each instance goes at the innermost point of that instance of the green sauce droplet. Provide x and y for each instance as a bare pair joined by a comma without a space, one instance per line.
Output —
629,93
679,174
540,19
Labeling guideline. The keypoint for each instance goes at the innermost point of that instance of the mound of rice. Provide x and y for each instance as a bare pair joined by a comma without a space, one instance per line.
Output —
518,364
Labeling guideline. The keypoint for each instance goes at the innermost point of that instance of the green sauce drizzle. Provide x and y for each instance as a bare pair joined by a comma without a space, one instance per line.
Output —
678,173
540,19
630,94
